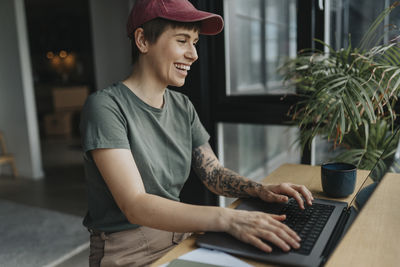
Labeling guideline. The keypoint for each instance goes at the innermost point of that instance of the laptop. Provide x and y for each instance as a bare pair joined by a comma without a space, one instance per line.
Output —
320,226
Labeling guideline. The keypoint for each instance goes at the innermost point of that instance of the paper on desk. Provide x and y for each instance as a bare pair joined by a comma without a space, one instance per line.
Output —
212,257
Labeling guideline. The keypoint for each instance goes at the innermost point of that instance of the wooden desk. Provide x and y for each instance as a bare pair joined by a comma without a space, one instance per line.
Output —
373,234
373,239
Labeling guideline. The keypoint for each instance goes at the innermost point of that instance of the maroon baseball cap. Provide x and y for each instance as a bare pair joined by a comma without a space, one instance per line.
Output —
176,10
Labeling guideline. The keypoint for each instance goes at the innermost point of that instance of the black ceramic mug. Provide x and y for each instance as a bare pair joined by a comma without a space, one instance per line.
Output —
338,179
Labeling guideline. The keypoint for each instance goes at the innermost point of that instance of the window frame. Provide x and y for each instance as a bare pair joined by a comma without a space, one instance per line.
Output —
263,109
265,85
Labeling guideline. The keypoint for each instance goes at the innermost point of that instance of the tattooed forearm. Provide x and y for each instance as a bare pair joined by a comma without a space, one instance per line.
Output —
232,184
205,167
218,179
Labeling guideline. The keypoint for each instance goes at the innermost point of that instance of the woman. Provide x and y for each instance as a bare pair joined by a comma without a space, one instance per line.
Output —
139,140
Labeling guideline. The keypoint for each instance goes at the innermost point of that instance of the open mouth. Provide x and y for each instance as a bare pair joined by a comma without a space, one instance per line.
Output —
182,67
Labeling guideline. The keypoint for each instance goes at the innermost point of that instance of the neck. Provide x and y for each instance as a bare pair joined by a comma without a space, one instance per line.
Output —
146,88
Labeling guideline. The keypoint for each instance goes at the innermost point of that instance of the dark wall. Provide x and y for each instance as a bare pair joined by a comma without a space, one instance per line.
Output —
61,50
60,25
205,75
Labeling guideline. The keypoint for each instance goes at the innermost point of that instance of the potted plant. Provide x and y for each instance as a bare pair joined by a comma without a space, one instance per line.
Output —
348,96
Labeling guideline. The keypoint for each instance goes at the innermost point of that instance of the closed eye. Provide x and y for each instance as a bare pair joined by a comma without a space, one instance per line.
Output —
184,37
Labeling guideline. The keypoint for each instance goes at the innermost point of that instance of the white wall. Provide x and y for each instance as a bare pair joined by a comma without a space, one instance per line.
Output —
17,103
112,53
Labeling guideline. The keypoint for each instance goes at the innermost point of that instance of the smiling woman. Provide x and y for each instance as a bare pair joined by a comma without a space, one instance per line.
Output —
167,60
141,139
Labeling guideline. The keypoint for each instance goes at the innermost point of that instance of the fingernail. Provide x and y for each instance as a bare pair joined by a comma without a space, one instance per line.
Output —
297,245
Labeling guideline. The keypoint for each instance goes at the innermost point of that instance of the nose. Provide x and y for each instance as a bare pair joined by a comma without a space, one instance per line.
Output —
191,53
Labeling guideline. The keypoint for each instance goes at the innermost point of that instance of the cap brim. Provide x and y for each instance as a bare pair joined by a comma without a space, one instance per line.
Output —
211,24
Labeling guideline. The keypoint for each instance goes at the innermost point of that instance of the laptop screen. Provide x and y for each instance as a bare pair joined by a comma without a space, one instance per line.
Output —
388,161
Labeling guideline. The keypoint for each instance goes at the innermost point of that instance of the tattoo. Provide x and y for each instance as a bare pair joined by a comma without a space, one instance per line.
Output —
219,179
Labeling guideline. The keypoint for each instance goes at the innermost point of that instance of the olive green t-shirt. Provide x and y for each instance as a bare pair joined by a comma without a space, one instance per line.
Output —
161,142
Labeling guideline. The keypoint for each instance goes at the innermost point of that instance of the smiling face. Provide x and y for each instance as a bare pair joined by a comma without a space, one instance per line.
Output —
171,56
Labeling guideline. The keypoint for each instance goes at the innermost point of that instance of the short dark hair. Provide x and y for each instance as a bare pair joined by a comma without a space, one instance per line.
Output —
155,27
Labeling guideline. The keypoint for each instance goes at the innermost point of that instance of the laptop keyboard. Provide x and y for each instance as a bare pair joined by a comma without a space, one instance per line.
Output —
308,223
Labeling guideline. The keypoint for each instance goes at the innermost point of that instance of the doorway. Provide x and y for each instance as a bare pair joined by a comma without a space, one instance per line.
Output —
60,46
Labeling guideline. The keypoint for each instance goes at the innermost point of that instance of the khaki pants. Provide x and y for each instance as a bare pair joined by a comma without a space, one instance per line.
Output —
138,247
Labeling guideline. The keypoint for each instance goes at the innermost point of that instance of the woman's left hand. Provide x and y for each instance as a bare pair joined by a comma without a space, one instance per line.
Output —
282,192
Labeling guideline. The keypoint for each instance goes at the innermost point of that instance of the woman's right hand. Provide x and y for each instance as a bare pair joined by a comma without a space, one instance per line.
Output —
253,227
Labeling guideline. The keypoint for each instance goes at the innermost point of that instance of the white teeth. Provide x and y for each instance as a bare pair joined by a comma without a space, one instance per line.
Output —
182,67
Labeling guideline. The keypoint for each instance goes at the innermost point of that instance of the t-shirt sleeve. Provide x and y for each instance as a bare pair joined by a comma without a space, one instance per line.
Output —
103,124
199,134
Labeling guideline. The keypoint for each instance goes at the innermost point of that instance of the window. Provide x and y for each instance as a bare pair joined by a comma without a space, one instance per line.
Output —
344,18
260,34
238,93
243,147
251,111
255,151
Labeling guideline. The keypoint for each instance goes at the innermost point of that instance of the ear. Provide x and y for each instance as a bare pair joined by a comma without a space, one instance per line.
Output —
140,40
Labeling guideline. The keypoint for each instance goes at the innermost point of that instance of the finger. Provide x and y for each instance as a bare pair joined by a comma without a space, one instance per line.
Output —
258,243
278,217
287,229
296,195
275,239
274,197
286,236
281,198
305,192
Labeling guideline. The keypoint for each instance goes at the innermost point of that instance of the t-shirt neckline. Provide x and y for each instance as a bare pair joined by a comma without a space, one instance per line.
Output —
144,104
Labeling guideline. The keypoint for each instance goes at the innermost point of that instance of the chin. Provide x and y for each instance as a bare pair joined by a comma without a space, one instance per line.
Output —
178,83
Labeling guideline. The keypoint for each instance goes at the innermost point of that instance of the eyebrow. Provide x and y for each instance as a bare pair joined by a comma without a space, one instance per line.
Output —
186,35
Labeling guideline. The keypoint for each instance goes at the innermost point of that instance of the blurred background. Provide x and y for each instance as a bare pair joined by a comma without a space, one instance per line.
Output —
53,54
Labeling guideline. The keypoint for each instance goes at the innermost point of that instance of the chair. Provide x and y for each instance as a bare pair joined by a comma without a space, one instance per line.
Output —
6,158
